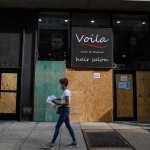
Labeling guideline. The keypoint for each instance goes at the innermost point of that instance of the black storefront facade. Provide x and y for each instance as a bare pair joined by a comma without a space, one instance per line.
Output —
37,40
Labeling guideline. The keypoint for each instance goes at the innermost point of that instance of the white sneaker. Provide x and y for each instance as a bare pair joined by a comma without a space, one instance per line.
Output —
73,144
48,146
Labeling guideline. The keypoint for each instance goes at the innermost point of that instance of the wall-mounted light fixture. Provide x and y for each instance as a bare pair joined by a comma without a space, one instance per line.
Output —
123,55
66,20
118,21
144,22
92,21
40,19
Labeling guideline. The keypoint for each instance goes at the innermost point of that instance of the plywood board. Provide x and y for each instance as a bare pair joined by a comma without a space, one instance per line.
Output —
7,102
124,96
47,77
8,99
8,81
143,95
91,98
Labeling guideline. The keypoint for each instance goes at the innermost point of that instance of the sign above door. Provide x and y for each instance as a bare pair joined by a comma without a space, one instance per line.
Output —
91,47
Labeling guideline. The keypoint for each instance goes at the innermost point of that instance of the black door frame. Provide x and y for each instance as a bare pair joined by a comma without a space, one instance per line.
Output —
134,118
16,69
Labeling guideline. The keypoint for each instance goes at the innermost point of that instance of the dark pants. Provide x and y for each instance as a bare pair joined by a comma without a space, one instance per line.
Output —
64,117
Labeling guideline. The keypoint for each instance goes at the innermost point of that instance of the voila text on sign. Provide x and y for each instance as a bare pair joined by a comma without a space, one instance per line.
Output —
91,38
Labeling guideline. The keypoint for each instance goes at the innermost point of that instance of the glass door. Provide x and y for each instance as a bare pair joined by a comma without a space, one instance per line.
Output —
8,95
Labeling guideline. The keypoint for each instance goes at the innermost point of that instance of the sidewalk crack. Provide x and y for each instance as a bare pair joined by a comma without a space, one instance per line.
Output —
27,137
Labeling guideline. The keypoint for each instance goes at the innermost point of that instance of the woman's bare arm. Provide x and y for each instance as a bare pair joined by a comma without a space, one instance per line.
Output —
58,102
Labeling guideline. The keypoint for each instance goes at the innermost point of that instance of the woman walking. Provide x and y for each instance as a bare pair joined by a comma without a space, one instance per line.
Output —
63,111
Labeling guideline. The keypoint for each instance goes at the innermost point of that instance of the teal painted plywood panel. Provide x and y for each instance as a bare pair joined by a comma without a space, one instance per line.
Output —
47,75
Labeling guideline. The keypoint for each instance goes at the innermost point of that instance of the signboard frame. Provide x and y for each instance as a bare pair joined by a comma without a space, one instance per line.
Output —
79,48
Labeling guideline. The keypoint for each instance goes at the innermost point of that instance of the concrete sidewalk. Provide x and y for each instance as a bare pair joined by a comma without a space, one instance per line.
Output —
30,135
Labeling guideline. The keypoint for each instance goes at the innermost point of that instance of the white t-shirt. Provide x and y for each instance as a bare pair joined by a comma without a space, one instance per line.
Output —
65,93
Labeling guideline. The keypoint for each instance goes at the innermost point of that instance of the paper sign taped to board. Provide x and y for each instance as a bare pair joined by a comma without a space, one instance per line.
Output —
96,75
124,85
124,78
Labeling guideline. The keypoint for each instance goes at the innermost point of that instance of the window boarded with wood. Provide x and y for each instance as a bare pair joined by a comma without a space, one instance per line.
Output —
143,95
91,98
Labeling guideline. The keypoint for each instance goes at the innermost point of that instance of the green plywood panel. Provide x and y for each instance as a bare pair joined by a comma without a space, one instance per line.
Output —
47,75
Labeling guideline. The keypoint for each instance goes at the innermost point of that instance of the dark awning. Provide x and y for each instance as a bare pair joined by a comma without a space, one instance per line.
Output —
134,5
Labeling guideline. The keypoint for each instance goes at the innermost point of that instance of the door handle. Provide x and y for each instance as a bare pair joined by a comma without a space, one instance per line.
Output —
140,96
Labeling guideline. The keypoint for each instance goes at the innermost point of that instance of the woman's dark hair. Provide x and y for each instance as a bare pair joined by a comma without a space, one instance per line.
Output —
63,81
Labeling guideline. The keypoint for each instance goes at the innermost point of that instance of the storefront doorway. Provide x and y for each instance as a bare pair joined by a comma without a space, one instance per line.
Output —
50,64
47,77
125,99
